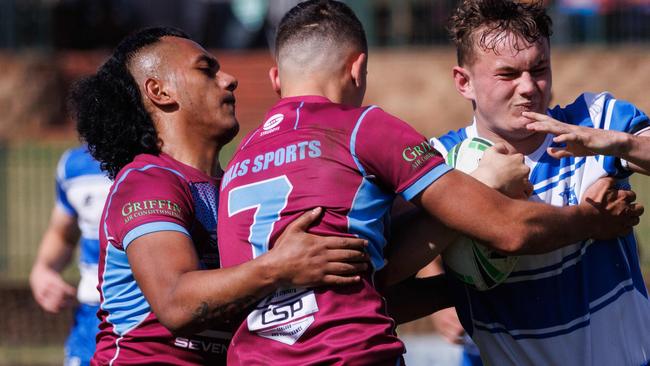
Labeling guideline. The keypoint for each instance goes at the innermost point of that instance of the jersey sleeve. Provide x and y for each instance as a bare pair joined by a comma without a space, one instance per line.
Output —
60,191
389,150
445,142
145,201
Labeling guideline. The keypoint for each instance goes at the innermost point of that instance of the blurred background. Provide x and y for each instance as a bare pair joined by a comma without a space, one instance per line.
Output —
46,45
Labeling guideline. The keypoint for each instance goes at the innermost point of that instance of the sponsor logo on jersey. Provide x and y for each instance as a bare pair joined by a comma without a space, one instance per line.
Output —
201,345
417,155
281,156
271,124
132,210
284,316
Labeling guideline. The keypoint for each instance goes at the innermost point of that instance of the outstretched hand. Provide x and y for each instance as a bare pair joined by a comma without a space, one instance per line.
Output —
579,140
615,212
504,172
307,260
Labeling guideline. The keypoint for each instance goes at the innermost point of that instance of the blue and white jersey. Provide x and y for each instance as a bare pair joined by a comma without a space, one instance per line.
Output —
81,190
584,304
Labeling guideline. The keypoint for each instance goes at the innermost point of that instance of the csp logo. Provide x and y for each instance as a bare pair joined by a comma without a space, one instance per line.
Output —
273,121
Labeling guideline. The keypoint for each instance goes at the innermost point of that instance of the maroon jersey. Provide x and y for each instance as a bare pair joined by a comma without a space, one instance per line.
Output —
153,193
351,161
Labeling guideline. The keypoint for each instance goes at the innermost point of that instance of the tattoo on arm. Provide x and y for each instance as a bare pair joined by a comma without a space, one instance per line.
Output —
203,315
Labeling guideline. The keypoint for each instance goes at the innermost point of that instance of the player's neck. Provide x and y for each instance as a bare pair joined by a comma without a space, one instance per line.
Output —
330,88
197,153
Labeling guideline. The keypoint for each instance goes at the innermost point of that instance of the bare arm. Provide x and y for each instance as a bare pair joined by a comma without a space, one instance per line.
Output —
186,299
50,291
584,141
417,238
521,227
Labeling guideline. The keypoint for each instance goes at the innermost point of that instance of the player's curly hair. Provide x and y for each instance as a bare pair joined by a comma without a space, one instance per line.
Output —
329,19
485,23
111,117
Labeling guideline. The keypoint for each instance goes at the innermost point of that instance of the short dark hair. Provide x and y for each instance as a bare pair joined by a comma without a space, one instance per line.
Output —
486,22
324,18
111,117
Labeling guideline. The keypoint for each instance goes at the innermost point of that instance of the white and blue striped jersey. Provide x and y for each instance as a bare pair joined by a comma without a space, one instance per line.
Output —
584,304
81,190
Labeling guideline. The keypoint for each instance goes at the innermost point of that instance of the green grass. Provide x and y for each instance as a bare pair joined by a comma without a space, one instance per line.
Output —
44,355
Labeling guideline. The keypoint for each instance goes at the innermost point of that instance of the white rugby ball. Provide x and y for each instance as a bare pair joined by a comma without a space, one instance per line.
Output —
471,262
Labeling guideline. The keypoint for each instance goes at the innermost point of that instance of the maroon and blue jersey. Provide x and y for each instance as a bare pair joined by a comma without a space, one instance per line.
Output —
351,161
152,194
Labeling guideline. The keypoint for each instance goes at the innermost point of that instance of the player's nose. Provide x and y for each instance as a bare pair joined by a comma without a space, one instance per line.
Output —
227,81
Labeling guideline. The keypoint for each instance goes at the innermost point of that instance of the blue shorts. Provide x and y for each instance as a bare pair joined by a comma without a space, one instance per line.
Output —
80,345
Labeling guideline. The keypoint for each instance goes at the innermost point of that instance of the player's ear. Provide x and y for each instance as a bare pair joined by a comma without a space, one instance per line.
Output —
359,70
463,82
157,92
274,76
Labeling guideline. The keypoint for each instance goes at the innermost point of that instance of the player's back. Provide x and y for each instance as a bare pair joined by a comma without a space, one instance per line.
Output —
304,157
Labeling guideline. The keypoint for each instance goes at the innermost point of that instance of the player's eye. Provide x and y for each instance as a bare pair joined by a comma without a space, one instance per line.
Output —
539,71
508,75
209,71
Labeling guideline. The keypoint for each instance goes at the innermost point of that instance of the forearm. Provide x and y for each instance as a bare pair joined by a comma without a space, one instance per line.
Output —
415,298
204,298
637,153
58,242
55,253
416,240
541,228
503,224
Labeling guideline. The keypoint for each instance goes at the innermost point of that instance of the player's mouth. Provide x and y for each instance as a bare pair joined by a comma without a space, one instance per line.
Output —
526,107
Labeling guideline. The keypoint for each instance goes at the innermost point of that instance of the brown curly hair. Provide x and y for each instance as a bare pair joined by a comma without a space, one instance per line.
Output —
486,23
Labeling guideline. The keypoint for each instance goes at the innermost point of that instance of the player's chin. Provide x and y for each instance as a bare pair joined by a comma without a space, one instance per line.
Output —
229,130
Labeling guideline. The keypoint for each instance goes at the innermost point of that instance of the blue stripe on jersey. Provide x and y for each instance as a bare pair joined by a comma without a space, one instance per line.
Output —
451,138
566,260
77,162
122,178
553,170
63,202
366,219
123,299
353,139
609,114
509,306
74,163
89,252
295,126
151,227
425,181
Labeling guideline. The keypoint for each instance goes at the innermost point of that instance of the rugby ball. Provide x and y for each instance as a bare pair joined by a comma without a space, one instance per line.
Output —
470,262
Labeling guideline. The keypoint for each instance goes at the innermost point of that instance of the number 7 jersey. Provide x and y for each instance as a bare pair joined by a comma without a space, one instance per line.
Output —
351,161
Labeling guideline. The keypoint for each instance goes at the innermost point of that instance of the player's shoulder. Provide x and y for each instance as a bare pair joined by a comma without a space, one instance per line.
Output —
594,110
445,142
151,171
346,117
76,162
